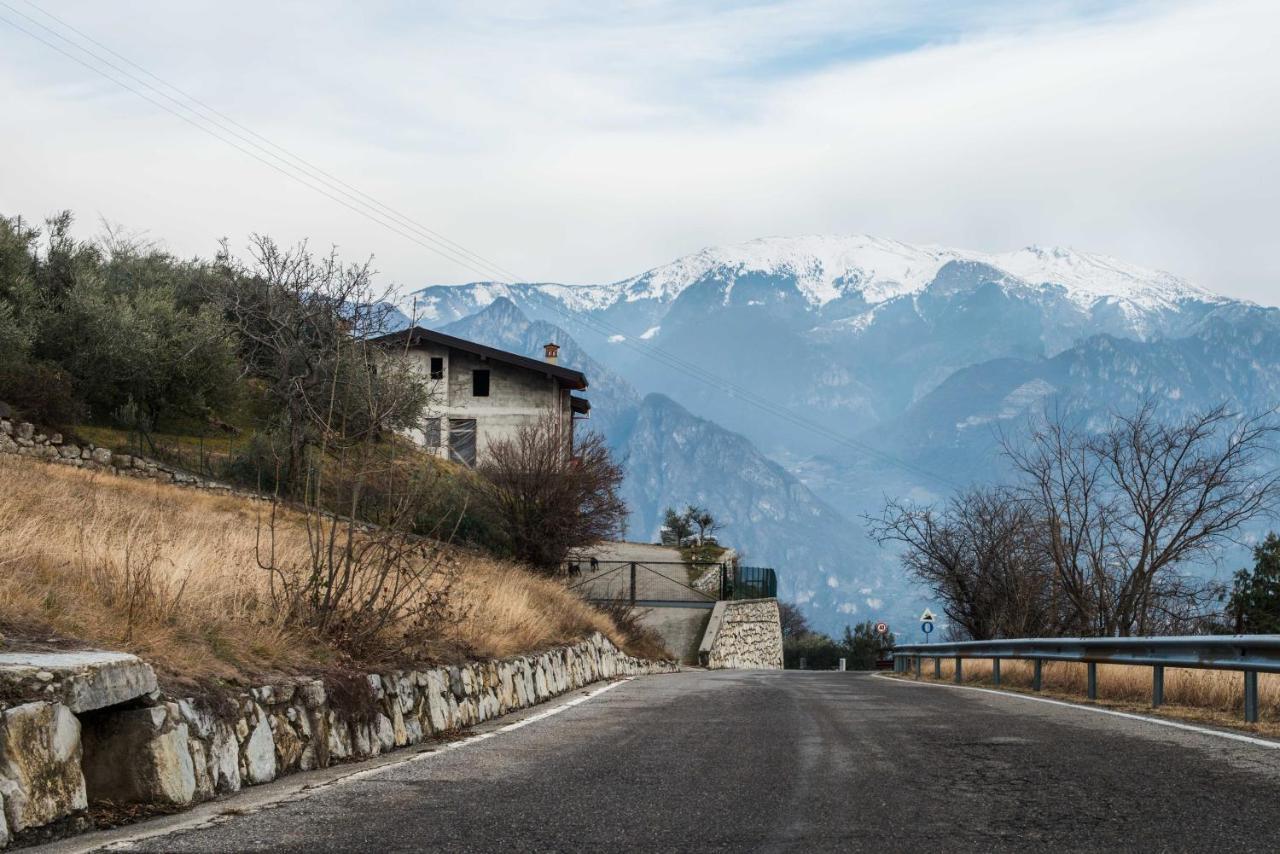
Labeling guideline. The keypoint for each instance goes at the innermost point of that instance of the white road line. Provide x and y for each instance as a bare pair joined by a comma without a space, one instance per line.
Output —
1233,736
291,795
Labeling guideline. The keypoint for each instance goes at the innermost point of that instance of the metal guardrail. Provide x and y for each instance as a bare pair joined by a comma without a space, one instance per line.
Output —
1250,654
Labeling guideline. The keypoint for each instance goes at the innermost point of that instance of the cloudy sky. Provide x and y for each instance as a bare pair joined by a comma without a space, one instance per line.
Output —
585,142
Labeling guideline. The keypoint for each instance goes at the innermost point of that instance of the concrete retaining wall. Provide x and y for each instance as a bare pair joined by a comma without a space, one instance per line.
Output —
745,634
163,750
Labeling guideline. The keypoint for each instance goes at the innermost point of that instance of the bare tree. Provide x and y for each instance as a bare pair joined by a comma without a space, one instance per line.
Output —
707,524
980,555
305,325
794,622
1121,512
551,496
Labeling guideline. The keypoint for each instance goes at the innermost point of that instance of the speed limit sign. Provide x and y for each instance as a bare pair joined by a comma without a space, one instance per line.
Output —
882,628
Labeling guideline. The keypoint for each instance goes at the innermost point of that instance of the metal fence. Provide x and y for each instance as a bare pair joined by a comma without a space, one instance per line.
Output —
647,582
749,582
667,582
1250,654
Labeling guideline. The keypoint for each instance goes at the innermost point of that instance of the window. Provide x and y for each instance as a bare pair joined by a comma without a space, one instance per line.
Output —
462,441
437,367
480,383
431,433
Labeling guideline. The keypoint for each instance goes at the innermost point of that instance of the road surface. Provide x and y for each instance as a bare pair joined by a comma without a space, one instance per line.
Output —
774,761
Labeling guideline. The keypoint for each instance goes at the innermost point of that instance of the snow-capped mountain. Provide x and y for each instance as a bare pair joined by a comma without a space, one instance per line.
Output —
867,367
827,269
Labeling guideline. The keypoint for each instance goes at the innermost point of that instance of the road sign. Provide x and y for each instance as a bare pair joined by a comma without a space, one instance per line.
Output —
926,627
882,628
927,616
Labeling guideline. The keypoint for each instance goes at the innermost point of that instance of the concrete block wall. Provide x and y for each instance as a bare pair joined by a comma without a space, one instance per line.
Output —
743,635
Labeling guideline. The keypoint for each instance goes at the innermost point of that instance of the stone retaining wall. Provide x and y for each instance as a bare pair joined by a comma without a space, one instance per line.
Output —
25,439
175,751
744,634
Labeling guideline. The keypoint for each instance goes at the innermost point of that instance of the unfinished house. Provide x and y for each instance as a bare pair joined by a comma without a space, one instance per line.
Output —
482,394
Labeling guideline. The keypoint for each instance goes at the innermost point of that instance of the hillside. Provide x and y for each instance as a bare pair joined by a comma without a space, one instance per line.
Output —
173,575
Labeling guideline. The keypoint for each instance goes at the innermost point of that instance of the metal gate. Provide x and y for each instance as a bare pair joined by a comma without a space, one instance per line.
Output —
659,583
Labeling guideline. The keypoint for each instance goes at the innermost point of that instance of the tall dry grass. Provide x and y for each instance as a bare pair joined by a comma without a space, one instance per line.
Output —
171,574
1218,693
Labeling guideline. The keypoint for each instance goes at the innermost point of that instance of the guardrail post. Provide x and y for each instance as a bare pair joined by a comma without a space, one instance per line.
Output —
1157,686
959,670
1093,680
937,667
633,583
1037,666
1251,696
917,667
995,672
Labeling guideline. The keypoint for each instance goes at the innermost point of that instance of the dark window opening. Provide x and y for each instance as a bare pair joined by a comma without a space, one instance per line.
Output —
437,367
479,383
431,433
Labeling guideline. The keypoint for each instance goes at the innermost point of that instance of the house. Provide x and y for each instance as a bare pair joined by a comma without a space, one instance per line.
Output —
482,394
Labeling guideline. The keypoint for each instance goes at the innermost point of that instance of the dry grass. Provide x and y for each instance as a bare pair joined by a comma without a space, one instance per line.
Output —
1208,696
171,574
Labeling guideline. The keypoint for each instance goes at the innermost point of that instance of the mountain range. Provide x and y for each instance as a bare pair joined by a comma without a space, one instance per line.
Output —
792,384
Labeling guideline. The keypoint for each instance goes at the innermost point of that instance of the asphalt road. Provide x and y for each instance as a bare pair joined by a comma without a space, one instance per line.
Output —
790,761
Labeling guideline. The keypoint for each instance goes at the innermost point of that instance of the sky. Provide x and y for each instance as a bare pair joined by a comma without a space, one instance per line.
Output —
587,142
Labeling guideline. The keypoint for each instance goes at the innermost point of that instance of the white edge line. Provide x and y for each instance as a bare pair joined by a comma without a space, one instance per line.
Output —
1234,736
307,790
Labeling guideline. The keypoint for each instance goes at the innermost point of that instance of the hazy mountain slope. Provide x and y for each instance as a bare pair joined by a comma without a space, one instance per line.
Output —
925,353
845,331
823,560
672,458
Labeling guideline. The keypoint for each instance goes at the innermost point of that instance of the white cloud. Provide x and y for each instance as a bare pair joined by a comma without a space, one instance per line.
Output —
588,144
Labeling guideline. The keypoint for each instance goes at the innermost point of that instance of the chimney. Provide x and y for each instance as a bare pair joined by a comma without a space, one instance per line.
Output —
551,353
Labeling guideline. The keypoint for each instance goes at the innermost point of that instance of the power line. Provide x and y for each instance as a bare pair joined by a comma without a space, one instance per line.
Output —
308,165
220,126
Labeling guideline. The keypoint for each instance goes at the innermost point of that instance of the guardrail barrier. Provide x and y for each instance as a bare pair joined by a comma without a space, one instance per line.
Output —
1249,654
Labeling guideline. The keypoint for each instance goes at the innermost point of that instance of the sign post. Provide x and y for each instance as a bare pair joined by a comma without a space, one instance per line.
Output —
926,624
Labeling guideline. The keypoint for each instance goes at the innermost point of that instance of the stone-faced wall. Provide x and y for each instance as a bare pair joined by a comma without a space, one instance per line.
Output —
743,635
175,751
27,440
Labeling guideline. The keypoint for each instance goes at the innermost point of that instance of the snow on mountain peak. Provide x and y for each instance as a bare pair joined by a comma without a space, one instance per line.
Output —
824,267
828,267
1088,277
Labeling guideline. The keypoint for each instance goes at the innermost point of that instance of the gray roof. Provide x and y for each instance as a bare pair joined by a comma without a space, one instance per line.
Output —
567,377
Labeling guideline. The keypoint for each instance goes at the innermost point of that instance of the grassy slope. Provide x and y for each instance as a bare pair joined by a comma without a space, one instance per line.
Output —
171,574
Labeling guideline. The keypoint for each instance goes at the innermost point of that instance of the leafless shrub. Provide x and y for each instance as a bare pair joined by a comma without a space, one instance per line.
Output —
980,553
551,496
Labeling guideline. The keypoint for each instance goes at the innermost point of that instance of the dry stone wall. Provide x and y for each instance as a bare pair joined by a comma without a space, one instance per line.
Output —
175,751
743,635
24,439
